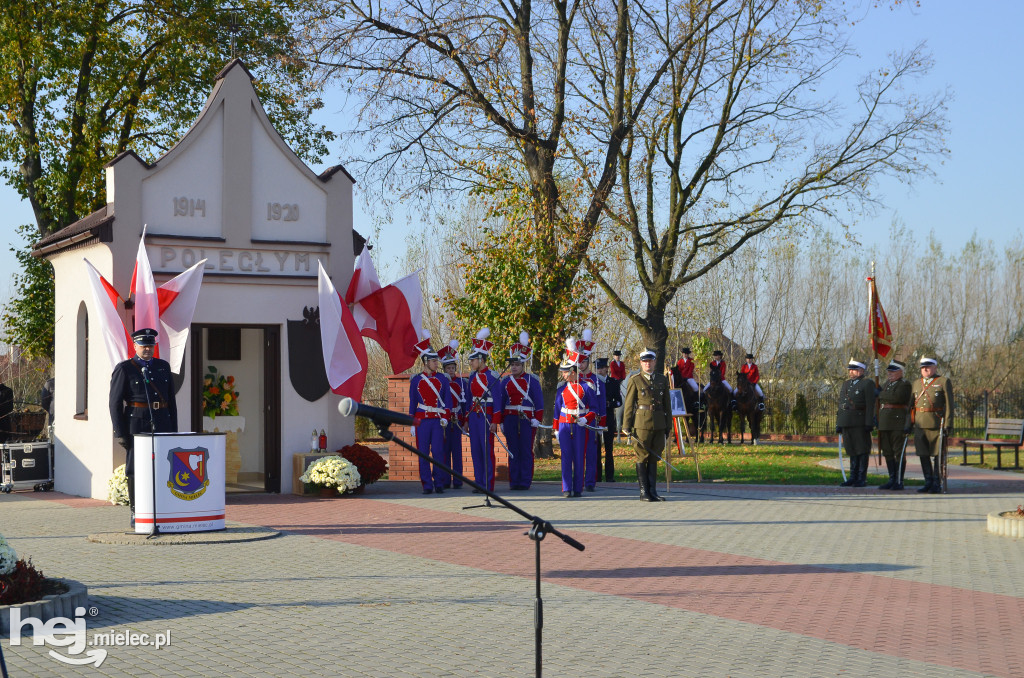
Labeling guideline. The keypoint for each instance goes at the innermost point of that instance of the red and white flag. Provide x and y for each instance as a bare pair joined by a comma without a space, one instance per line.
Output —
881,334
147,303
344,352
364,282
177,304
116,338
397,312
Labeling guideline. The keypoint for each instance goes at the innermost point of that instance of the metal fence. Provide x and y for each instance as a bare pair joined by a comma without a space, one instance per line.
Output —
815,413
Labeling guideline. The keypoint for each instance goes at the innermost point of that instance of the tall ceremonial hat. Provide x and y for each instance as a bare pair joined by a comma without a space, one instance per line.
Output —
144,337
520,351
586,343
423,346
481,347
896,366
449,353
572,355
856,365
925,362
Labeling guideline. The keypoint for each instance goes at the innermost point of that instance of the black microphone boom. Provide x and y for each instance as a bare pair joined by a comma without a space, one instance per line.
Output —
380,416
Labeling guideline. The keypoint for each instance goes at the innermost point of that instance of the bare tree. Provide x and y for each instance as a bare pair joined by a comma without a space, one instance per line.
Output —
739,143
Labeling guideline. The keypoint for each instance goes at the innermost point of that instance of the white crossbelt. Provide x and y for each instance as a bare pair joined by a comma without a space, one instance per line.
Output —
577,412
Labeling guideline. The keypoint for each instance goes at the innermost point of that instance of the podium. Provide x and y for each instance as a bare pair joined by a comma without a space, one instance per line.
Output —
190,473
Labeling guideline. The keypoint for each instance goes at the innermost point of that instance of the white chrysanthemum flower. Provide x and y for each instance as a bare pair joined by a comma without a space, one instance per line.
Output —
117,487
333,472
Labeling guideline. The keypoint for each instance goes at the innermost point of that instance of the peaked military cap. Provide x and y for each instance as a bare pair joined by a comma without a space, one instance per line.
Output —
144,337
896,366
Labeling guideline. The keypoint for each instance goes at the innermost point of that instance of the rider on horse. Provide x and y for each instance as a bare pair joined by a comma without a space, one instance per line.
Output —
685,366
717,369
749,368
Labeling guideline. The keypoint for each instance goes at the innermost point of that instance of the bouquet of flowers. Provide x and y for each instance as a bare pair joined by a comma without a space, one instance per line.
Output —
20,581
370,464
219,395
333,472
117,487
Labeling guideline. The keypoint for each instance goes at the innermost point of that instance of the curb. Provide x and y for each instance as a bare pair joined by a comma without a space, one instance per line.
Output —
1005,527
54,605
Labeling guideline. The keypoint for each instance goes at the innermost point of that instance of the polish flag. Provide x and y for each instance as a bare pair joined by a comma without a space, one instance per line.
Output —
344,351
147,303
177,304
116,338
397,312
364,282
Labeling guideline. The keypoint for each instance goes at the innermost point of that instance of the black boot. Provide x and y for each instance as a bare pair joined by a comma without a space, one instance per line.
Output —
890,465
900,474
936,476
926,469
652,480
642,479
860,464
131,500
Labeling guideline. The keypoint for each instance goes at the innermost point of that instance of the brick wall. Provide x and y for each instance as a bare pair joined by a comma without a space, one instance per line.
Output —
403,464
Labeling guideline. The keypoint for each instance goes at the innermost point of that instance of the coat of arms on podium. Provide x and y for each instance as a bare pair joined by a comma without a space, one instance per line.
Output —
188,478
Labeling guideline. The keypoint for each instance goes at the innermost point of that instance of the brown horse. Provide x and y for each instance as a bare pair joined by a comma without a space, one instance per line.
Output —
719,414
749,407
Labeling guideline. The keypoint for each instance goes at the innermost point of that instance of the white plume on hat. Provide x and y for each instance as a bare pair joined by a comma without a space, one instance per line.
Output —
483,334
587,335
570,344
454,343
524,338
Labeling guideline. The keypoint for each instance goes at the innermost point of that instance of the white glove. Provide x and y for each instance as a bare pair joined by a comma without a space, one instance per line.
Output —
444,422
582,421
625,432
534,423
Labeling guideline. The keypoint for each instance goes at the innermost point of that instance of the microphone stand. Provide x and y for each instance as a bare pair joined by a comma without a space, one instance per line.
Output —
539,529
487,432
152,447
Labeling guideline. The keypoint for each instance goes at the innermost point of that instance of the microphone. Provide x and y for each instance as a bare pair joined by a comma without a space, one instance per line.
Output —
145,374
349,407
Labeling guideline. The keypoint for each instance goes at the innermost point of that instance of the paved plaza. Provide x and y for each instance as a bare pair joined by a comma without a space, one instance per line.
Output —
721,580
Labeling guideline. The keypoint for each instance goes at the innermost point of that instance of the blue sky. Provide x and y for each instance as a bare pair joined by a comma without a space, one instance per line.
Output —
976,55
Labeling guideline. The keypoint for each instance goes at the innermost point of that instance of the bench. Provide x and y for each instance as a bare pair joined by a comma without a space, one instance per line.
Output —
999,433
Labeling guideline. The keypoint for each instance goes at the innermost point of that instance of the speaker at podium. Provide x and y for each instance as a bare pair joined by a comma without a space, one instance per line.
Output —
190,489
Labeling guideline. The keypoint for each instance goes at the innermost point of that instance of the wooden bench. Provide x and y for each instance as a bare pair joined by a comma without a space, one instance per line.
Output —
999,433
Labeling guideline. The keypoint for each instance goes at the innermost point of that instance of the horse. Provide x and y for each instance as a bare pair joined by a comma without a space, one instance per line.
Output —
749,407
719,414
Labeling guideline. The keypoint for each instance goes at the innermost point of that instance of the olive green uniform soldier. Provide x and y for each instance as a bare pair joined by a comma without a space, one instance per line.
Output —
933,410
645,413
855,421
893,417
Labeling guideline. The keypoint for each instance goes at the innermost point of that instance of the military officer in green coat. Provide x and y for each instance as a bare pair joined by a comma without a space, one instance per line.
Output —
893,417
855,421
933,410
645,418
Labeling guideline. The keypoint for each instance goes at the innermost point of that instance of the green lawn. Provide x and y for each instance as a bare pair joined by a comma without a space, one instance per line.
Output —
758,465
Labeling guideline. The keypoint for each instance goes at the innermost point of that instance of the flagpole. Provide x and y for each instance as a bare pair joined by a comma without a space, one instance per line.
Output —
872,326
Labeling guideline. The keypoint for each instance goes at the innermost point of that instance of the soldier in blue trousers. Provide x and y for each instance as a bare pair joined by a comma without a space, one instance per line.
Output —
483,384
572,415
519,409
457,385
430,404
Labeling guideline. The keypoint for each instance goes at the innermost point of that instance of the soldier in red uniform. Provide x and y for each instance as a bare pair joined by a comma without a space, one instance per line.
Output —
519,409
483,384
573,418
430,405
457,385
717,369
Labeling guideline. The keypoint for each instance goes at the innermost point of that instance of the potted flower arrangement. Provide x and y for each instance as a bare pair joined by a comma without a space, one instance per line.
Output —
117,487
20,581
332,475
370,464
219,394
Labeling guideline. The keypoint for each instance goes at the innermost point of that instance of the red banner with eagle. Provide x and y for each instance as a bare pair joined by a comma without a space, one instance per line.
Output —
881,334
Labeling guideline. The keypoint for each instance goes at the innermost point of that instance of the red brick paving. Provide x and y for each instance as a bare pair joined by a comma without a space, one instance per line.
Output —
964,629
